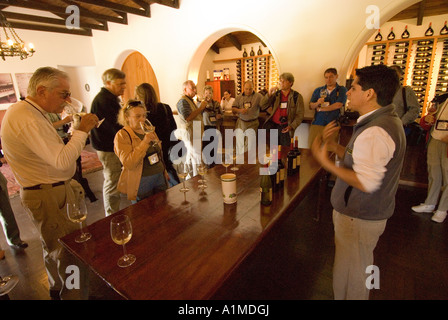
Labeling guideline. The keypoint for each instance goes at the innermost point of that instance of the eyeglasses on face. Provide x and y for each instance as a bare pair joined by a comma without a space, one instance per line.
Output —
65,94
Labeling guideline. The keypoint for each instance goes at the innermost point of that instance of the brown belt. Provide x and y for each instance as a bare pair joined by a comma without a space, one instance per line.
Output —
42,186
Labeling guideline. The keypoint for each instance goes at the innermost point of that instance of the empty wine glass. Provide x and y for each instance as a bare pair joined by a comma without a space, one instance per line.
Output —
183,170
121,233
77,212
147,126
202,170
323,93
7,284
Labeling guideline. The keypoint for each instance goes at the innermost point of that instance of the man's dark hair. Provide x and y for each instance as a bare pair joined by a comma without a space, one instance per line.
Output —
382,79
331,70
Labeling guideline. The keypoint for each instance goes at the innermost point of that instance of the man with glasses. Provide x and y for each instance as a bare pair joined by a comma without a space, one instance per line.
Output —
43,167
106,105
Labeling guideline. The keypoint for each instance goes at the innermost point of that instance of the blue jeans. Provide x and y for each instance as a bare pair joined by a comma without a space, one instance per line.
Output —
150,185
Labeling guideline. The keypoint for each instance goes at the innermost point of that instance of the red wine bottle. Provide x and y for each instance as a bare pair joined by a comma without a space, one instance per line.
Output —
405,34
266,188
429,32
298,154
292,159
391,35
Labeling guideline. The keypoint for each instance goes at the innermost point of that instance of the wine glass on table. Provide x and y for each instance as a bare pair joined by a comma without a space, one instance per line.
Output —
202,170
77,213
121,233
183,170
226,159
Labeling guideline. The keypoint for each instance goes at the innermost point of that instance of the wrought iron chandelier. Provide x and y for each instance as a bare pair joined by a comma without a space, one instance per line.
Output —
13,46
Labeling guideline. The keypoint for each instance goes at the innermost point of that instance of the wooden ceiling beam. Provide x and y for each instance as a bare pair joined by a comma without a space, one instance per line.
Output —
145,12
421,13
215,48
54,21
35,27
234,41
57,10
170,3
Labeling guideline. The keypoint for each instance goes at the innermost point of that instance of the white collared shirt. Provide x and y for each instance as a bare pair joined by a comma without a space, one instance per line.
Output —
34,150
372,151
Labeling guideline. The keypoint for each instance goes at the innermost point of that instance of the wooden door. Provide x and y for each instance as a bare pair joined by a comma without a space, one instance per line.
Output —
138,70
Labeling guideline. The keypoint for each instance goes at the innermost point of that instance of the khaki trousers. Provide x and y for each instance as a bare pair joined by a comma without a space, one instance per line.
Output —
355,240
246,141
437,161
47,209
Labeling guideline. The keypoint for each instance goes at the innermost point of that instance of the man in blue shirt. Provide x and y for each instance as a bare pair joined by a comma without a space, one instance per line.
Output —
327,102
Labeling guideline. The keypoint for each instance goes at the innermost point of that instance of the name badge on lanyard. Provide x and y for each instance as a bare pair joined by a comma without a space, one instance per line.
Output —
153,159
284,105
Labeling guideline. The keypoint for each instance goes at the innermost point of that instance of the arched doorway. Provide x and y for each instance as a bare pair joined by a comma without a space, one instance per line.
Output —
138,70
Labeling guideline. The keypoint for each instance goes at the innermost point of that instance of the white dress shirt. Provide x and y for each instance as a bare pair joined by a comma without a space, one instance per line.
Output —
372,151
34,150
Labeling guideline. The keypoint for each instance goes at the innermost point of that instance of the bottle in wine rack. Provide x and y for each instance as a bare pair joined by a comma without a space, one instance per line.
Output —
378,52
378,37
400,56
421,66
419,83
444,30
420,72
405,34
443,84
444,60
429,32
376,58
379,47
441,90
401,50
442,78
419,89
376,63
425,42
391,35
252,52
419,78
244,53
259,52
420,49
422,60
423,54
399,61
402,44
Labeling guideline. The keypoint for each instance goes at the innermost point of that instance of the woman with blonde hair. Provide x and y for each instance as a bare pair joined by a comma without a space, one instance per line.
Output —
143,173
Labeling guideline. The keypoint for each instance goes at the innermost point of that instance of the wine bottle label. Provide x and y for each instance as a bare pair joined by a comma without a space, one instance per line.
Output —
282,174
298,160
294,163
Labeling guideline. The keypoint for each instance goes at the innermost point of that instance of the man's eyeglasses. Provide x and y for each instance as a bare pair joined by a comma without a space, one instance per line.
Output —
65,94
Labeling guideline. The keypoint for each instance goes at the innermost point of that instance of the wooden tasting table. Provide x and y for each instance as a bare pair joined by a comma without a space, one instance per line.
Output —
186,250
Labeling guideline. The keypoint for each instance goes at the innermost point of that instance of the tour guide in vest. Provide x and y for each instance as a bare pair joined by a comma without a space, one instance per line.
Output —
363,197
189,113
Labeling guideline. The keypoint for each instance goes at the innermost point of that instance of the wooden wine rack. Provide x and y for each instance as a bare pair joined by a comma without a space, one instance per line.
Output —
423,60
262,70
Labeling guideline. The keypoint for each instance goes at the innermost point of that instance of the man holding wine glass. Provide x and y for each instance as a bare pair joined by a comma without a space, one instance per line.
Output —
43,167
327,102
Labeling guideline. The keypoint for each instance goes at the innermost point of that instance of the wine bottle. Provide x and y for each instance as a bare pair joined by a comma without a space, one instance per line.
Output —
297,152
377,58
244,53
443,78
422,60
405,33
402,44
400,56
418,83
379,47
420,49
378,52
429,32
419,78
376,63
425,42
421,66
420,72
399,61
423,54
401,50
281,168
444,30
252,52
378,37
292,160
391,35
259,51
266,188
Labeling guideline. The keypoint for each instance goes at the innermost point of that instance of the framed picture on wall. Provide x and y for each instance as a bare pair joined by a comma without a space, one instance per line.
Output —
22,80
7,91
